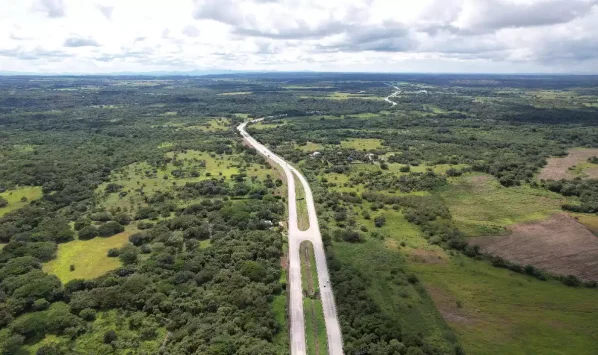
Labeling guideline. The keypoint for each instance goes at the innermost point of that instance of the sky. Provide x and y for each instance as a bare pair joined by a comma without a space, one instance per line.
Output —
436,36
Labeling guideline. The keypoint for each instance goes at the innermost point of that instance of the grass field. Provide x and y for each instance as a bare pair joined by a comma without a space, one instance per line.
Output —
310,147
141,179
89,257
215,125
362,143
14,197
481,206
495,311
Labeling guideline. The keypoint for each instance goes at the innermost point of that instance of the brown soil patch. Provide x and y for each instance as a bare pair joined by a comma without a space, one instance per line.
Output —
592,173
560,245
479,179
558,168
448,306
427,256
284,262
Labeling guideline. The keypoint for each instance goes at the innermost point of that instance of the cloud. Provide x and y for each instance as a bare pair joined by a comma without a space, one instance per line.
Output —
491,15
422,35
190,31
32,54
106,11
52,8
80,42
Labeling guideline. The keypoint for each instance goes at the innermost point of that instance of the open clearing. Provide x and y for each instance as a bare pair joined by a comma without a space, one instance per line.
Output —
559,168
362,143
559,244
13,197
481,206
89,257
496,311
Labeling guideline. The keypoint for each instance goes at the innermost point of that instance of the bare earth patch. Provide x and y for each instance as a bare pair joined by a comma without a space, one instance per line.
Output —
558,168
449,307
592,173
427,256
560,245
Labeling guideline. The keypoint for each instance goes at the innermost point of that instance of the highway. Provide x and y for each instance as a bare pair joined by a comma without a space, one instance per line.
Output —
296,236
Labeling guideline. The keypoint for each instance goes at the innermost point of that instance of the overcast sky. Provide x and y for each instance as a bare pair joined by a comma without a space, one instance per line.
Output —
502,36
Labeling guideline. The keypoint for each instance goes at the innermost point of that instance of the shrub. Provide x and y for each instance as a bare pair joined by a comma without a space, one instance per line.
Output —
113,253
88,314
380,221
110,228
110,336
88,232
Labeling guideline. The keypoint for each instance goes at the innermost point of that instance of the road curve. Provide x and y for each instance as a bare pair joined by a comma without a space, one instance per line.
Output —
388,98
296,236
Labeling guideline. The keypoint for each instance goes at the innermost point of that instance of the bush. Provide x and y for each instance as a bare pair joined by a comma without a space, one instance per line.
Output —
122,218
88,314
88,232
113,253
3,202
128,255
571,280
405,169
110,228
110,336
380,221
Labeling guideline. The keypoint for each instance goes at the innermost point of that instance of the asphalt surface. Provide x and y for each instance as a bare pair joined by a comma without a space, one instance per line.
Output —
296,236
388,98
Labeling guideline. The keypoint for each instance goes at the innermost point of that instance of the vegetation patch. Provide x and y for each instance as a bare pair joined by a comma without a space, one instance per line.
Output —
362,143
89,257
315,325
21,196
496,311
302,214
234,93
481,206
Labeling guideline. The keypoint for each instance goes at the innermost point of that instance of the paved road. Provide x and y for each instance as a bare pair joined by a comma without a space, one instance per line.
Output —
296,236
387,99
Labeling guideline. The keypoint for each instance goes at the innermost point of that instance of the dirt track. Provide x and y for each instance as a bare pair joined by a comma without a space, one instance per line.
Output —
559,244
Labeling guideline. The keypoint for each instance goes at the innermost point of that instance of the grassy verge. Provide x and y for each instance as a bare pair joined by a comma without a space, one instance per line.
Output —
495,311
315,326
302,215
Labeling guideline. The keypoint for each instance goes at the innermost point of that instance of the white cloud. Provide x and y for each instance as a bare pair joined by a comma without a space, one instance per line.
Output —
364,35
